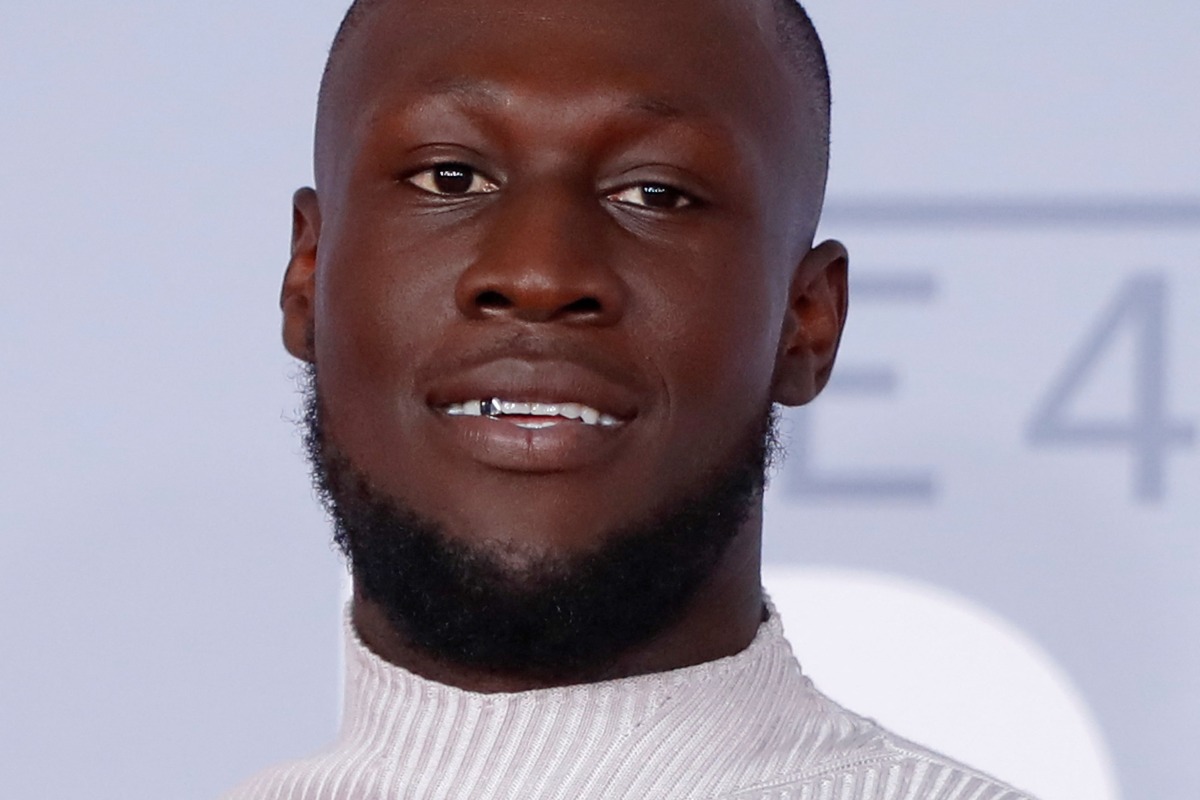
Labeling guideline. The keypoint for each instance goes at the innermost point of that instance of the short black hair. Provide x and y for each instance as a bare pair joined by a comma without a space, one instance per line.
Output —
798,36
803,48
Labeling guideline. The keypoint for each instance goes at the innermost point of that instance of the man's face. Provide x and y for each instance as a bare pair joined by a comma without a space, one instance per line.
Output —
592,213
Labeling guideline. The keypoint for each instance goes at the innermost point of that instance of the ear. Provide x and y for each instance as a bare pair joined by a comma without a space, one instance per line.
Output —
298,298
812,329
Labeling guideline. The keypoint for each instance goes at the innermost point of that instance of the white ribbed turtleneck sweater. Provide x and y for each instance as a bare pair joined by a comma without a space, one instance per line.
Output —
750,727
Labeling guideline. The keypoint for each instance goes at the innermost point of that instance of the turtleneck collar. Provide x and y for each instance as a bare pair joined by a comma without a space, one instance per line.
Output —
647,731
747,727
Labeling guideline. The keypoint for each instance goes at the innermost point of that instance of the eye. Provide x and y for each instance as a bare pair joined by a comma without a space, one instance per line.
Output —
654,195
453,179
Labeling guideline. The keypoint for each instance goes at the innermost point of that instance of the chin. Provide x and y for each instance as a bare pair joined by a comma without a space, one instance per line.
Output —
531,591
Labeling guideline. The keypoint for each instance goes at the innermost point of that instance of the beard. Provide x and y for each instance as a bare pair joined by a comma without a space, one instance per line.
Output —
551,618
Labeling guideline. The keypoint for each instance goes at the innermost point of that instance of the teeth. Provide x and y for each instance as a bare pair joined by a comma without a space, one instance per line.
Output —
495,407
523,409
473,408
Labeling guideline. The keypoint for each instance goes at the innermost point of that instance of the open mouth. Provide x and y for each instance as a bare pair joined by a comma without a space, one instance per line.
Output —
533,416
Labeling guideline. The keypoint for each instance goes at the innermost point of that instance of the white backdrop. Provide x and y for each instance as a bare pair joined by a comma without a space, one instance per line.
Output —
1009,454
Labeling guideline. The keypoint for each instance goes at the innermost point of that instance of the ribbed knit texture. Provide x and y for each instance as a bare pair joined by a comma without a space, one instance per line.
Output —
750,727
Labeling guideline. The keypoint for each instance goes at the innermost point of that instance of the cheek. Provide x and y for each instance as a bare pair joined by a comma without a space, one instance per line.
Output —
379,307
720,338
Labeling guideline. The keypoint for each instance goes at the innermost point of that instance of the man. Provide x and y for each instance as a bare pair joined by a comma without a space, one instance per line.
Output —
557,270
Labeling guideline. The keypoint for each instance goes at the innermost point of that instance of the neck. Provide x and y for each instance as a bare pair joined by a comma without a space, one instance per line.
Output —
720,620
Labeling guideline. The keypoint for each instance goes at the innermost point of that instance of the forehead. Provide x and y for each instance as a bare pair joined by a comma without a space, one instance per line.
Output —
683,38
716,60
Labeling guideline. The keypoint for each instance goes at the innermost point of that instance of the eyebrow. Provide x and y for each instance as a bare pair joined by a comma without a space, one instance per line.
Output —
655,106
486,92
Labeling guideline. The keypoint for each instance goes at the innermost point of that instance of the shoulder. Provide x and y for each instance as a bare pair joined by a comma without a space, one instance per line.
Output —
267,785
316,778
838,753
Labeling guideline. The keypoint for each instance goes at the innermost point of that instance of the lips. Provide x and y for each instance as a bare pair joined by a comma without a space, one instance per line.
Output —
526,415
544,382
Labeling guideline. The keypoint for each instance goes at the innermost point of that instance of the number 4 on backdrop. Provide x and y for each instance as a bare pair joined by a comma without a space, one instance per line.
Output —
1149,433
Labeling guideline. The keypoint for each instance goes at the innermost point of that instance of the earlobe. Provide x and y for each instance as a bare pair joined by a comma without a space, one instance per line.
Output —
297,300
812,330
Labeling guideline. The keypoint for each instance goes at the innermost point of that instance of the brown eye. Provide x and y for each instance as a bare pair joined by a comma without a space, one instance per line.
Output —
452,179
653,195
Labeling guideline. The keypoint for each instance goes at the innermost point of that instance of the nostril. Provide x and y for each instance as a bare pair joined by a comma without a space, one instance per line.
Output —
536,306
584,305
493,301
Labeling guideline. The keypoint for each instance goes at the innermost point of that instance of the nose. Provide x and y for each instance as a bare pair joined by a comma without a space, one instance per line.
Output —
542,259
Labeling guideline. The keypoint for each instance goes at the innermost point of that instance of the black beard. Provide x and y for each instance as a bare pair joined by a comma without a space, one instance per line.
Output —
554,619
